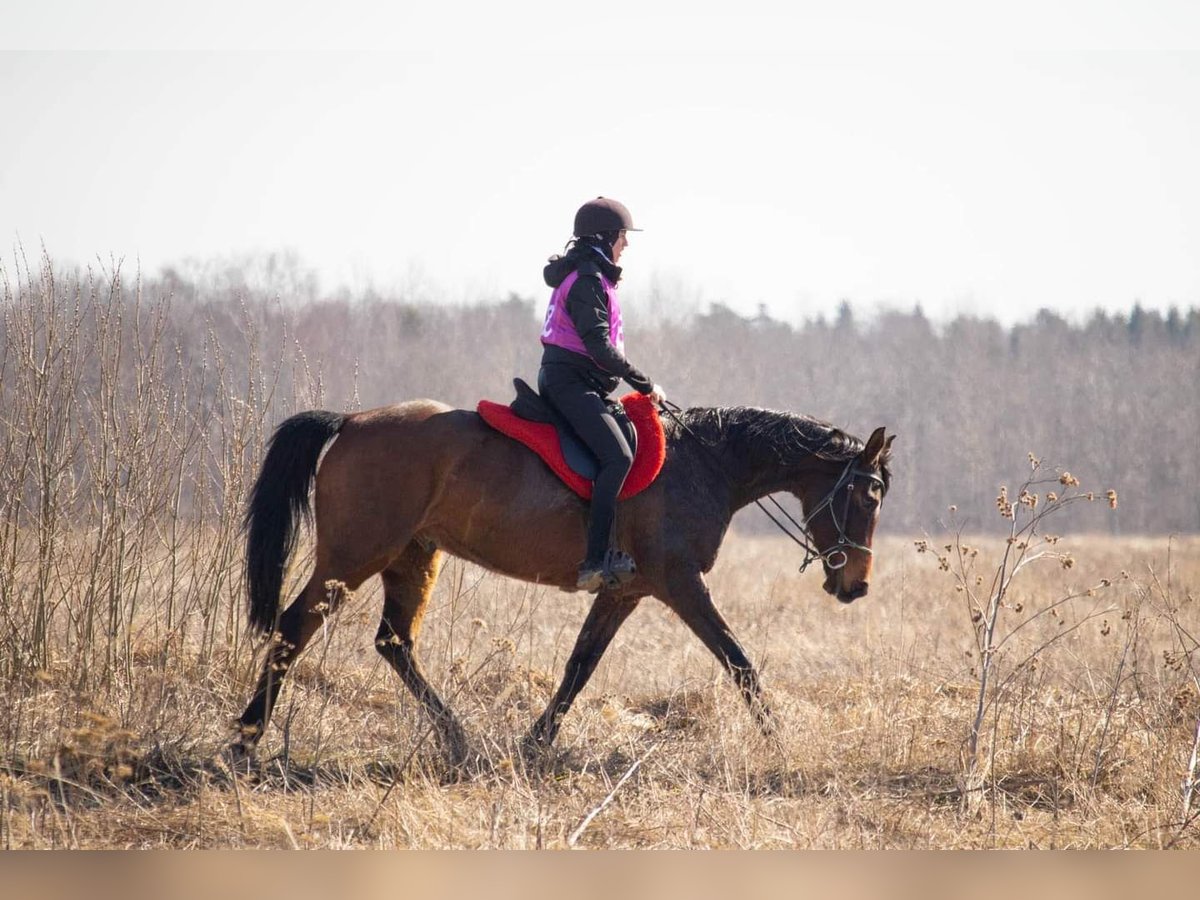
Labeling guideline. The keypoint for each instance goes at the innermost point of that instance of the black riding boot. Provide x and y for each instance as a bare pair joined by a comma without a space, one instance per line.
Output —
584,409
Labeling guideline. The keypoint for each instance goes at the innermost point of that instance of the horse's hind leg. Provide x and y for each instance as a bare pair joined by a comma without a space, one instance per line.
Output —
297,625
407,585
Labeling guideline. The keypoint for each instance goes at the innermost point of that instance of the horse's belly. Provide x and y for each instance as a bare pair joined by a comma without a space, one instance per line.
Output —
521,522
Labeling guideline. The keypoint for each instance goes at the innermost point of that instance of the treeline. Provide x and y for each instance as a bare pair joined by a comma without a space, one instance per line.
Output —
1111,400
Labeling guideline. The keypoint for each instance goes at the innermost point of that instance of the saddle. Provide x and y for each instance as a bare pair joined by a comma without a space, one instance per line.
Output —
536,424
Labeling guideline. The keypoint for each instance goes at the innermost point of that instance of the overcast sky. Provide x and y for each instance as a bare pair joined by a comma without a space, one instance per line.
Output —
773,155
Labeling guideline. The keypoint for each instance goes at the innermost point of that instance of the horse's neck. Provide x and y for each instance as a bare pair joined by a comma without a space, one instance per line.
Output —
757,465
756,471
757,482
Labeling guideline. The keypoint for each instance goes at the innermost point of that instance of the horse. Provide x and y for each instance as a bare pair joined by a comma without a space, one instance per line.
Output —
400,486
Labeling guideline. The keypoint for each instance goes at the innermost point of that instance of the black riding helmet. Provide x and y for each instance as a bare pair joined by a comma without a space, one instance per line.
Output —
602,215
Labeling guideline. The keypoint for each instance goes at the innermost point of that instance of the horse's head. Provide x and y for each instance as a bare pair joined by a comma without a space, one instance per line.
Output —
841,510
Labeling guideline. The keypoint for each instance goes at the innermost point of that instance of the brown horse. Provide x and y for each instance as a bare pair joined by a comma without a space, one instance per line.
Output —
404,484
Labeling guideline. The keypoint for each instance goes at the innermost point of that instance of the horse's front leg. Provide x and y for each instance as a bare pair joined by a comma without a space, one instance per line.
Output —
607,614
689,597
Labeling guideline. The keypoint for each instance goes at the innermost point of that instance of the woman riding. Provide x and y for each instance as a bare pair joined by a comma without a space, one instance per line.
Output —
583,361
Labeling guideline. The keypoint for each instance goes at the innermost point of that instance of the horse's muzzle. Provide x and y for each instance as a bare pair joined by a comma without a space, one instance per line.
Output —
833,586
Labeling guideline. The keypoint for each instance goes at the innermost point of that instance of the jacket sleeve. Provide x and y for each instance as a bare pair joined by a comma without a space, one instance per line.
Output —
587,306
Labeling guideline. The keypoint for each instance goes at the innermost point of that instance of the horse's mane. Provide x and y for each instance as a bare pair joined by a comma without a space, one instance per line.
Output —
784,437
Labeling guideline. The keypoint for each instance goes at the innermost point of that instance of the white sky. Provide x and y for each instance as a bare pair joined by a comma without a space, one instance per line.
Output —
790,155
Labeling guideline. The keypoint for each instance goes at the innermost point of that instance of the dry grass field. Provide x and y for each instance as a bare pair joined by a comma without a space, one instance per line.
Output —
127,449
1087,741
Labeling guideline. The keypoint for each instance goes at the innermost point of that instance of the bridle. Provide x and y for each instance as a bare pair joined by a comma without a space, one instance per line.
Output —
805,538
844,542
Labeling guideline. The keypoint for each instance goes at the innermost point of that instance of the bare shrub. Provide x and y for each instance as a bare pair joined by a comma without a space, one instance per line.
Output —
134,413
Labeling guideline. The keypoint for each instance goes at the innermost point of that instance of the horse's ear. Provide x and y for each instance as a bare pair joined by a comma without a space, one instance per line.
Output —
877,443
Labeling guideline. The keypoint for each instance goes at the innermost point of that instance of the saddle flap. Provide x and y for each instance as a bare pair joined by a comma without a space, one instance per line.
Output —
543,438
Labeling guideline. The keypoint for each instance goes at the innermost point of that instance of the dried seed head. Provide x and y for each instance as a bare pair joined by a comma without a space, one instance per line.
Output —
1112,498
1068,480
1003,504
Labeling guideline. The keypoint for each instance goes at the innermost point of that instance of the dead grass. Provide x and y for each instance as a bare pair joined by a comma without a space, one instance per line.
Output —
1090,746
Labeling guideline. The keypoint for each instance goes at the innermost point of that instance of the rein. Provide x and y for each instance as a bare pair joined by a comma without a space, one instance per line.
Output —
804,538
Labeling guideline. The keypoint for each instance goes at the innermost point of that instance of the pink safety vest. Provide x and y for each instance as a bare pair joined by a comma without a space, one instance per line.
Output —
560,331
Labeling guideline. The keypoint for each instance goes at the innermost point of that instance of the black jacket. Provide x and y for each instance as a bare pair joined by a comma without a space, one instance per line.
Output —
587,306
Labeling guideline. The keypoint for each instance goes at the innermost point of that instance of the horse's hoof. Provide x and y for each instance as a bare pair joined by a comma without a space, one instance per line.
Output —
459,755
240,758
534,750
466,764
766,724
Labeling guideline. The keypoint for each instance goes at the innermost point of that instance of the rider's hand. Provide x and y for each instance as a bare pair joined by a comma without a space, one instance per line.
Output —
658,396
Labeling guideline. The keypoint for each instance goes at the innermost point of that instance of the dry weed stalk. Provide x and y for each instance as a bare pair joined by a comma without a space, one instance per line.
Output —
1182,659
996,618
130,424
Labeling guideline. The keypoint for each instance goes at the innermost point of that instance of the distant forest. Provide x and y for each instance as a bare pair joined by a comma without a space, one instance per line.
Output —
1112,400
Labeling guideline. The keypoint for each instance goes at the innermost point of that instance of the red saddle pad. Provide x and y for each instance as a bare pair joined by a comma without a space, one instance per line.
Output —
542,439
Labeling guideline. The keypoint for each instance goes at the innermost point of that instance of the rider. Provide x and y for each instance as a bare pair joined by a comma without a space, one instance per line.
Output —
583,361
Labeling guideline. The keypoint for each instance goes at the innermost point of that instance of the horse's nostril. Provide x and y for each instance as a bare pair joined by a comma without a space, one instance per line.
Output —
859,589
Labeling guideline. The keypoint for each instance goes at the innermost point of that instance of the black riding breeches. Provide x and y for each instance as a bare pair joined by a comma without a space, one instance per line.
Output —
577,400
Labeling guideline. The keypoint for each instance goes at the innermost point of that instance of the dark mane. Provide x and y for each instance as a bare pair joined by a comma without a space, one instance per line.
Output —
771,435
788,437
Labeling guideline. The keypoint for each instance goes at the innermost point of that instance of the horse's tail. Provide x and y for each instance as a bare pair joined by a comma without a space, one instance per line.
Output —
277,502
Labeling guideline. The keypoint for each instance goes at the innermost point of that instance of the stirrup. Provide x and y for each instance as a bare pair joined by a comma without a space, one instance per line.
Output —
617,569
